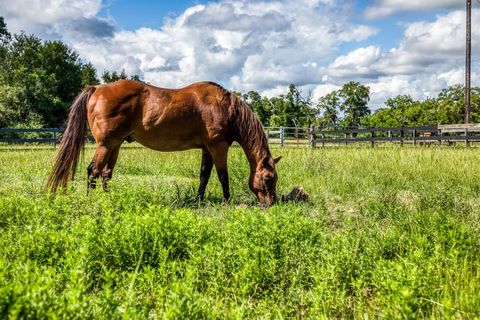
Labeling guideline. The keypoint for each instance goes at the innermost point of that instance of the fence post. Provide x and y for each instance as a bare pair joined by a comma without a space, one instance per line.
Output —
282,136
296,135
373,136
440,136
466,137
323,139
311,136
401,138
414,137
54,138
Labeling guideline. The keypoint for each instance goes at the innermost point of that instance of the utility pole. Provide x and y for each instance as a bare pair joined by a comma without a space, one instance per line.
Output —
468,60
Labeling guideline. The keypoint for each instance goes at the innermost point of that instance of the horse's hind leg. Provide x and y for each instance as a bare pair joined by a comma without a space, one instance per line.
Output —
205,170
91,183
108,170
99,161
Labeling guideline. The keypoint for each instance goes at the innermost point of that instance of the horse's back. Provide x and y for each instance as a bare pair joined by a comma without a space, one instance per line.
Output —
190,117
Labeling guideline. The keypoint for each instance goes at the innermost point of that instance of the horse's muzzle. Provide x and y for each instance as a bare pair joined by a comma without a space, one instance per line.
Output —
267,202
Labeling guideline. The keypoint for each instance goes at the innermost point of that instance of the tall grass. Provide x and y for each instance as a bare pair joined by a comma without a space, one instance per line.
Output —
388,233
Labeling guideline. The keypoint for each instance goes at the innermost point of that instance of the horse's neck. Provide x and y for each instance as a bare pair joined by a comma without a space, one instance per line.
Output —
255,151
250,133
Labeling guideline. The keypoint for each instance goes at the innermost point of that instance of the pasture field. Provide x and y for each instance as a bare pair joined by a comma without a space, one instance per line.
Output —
388,233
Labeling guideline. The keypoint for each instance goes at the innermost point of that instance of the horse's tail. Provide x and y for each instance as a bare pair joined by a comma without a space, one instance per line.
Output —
72,142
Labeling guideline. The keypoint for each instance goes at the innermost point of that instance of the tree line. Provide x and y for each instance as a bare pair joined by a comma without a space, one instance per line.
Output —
39,80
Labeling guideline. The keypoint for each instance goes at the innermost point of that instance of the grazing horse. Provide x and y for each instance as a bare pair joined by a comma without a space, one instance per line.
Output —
202,115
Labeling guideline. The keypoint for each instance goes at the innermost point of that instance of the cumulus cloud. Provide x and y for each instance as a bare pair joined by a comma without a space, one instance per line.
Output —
430,57
246,45
53,19
262,45
383,8
42,12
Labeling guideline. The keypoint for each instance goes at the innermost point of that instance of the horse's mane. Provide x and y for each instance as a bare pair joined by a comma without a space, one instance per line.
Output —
249,130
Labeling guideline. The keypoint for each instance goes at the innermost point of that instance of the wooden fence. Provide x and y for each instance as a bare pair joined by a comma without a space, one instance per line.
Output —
313,137
40,135
434,134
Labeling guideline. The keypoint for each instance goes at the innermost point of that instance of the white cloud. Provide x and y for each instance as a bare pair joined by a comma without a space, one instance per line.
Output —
383,8
56,18
358,62
323,89
254,45
430,57
262,45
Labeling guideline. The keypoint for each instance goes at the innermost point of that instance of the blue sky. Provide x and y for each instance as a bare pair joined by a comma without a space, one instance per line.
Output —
151,14
131,15
395,47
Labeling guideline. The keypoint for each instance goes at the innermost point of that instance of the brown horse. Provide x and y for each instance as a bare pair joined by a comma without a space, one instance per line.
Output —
203,115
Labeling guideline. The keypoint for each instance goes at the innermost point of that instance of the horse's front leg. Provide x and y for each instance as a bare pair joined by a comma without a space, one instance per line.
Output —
205,171
219,155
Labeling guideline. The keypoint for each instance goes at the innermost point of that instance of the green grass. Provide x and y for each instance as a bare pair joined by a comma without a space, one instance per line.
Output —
388,233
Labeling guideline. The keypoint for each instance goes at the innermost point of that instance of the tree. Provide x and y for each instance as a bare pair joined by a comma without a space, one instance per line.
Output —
298,109
291,109
393,114
355,98
10,106
447,108
136,77
279,114
89,75
5,36
399,102
328,106
261,106
451,104
112,76
44,77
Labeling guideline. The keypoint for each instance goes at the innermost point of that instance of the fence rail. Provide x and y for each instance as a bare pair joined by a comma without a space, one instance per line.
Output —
439,134
301,136
42,135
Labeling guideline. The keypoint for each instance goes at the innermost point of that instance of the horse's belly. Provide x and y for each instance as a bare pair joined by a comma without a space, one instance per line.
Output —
161,140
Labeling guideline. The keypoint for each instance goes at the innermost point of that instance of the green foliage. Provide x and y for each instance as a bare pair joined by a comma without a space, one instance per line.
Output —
389,233
5,38
261,106
89,75
112,76
289,109
292,108
447,108
328,105
39,80
352,100
10,106
354,103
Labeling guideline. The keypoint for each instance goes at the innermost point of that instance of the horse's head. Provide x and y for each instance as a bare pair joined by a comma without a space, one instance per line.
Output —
264,182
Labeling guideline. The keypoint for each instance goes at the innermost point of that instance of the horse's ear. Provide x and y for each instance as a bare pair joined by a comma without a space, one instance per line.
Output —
267,162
